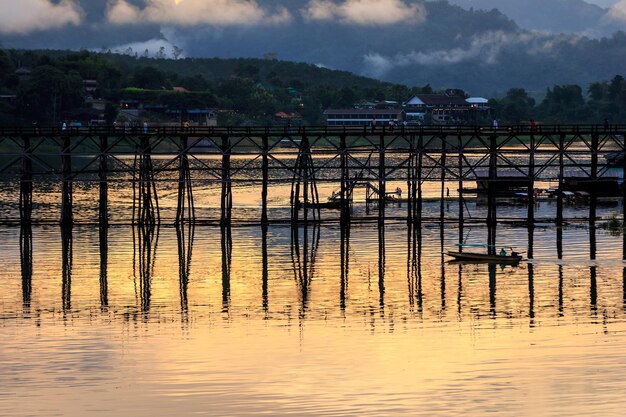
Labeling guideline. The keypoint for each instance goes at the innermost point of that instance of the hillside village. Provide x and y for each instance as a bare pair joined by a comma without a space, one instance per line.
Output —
87,88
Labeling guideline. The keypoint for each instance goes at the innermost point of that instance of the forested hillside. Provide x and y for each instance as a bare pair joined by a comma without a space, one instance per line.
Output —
49,86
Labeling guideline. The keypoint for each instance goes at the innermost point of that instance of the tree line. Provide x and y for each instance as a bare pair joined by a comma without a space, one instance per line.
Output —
47,87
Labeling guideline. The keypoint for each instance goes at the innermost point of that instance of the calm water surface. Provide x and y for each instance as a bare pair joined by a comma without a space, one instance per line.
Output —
215,322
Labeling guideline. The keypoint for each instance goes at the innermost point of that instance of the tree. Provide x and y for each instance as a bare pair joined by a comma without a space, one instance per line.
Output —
148,78
516,106
50,93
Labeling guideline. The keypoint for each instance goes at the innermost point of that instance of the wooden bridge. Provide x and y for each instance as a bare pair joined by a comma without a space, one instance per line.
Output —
218,159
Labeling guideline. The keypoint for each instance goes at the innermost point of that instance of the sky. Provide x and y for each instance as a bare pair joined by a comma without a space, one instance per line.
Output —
44,15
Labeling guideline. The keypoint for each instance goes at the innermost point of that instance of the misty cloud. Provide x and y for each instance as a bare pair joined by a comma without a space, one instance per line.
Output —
617,13
487,47
28,16
195,12
365,12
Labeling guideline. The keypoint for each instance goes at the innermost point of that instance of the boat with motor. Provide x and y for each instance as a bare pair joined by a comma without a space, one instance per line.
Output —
503,257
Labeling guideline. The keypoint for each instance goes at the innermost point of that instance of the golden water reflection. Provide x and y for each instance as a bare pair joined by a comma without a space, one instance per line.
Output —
315,321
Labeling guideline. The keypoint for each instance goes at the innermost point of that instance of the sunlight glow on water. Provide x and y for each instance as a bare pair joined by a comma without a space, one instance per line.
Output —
543,338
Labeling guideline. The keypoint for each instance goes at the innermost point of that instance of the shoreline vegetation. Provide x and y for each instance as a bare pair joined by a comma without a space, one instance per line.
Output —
48,87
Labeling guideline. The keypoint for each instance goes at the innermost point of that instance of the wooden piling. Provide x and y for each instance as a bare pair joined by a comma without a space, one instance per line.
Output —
345,177
26,183
265,179
227,198
623,197
491,194
460,185
185,209
559,197
103,168
420,161
593,201
531,180
382,193
443,178
67,217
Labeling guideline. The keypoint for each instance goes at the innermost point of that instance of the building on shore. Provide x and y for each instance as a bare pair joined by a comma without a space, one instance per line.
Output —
363,117
449,108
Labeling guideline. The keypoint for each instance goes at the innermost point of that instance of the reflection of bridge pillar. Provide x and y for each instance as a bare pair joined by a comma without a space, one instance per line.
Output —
104,255
414,267
67,258
26,183
227,248
185,249
345,264
265,274
26,260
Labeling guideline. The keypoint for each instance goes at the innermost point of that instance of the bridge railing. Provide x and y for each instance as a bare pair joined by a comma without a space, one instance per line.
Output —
300,130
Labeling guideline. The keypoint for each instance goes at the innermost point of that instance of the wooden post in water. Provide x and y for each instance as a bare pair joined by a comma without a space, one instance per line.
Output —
381,177
443,177
420,160
624,197
409,182
559,196
265,173
185,208
491,194
595,139
66,187
227,199
26,183
461,198
103,211
531,181
345,178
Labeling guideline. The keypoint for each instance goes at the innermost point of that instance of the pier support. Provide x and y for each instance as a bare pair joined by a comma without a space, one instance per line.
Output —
226,202
382,193
593,201
26,183
145,201
491,194
67,217
305,185
103,169
265,175
345,178
531,181
185,209
559,197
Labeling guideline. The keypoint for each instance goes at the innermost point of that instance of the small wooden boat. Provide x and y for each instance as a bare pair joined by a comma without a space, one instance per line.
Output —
511,258
483,257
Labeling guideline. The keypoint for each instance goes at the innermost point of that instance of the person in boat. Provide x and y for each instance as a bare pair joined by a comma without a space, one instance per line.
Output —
502,252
